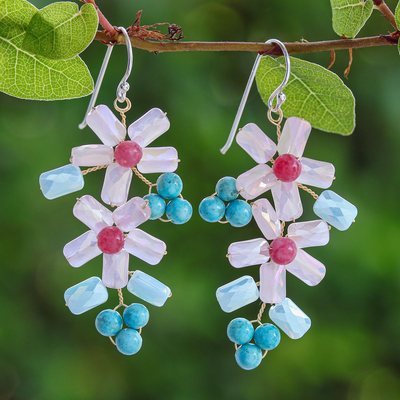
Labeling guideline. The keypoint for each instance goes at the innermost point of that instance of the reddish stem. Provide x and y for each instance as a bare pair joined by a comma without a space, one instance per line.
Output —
109,29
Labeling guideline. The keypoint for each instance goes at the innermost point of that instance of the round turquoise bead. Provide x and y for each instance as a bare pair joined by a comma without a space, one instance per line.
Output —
238,213
108,322
156,204
179,211
248,356
267,336
212,209
136,316
240,331
169,185
226,189
128,341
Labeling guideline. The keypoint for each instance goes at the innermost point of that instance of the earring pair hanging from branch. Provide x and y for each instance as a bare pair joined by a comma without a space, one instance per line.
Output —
115,233
282,247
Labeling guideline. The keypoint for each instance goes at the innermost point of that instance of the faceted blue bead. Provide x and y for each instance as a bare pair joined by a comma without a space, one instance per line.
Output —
136,316
238,213
156,204
128,341
267,336
240,331
86,295
248,356
226,189
169,185
61,181
212,209
179,211
335,210
108,322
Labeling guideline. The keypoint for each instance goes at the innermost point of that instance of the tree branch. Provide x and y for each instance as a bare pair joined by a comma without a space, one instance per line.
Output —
385,10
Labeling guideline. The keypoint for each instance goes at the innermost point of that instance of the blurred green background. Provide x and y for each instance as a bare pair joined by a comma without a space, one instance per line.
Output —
352,351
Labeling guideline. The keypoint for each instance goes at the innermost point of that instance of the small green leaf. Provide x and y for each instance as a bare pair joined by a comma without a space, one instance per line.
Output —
313,93
60,30
397,19
349,16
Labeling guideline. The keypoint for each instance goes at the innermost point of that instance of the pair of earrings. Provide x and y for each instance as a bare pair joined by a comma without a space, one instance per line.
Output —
116,234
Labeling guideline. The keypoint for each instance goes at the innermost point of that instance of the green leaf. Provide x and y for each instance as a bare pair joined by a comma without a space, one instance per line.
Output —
397,19
60,30
349,16
32,77
313,93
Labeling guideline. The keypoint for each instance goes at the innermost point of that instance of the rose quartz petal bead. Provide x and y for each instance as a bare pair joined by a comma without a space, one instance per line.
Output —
294,136
266,218
148,127
287,201
272,283
106,125
307,268
115,270
256,181
248,252
316,173
158,160
82,249
116,185
92,213
91,155
256,143
309,234
144,246
131,214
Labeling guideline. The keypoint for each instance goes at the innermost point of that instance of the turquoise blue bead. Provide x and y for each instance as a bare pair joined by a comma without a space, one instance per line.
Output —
156,204
226,189
240,331
179,211
128,341
136,316
169,185
108,322
267,336
248,356
238,213
212,209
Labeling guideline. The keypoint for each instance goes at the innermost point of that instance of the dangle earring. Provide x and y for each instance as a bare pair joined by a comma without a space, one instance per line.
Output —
115,233
276,252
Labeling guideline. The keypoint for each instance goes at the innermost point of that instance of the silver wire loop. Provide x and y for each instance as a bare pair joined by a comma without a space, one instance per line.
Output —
123,86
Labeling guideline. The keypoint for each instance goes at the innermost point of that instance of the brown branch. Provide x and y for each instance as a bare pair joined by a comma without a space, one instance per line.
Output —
385,10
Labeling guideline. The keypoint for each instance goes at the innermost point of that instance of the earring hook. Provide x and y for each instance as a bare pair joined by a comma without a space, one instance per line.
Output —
277,93
123,86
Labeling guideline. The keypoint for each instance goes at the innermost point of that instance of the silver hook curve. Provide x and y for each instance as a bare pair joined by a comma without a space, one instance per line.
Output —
277,93
123,86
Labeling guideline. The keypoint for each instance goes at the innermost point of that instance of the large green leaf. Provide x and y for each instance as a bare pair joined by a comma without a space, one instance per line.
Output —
349,16
60,30
313,93
33,77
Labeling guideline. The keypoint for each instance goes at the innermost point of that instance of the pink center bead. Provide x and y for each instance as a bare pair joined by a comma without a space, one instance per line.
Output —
128,154
110,240
283,251
287,168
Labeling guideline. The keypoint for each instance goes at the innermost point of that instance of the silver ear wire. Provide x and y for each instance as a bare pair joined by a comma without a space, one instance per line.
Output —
123,86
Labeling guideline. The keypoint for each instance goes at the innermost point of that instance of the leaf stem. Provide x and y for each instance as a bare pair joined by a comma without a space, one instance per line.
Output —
385,10
109,29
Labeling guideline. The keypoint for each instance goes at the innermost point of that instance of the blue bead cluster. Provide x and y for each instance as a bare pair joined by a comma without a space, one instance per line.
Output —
213,209
128,340
249,355
169,187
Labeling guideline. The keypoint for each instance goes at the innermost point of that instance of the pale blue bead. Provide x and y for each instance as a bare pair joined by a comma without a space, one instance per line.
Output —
267,336
86,295
335,210
179,211
212,209
108,322
136,316
226,189
240,331
248,356
61,181
169,185
128,341
148,288
156,204
238,213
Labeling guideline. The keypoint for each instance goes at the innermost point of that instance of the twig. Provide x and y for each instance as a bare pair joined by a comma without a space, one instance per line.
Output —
385,10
